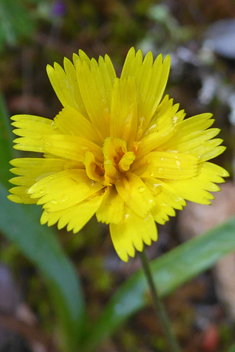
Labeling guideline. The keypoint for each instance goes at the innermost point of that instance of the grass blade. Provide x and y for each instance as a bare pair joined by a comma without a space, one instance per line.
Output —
21,225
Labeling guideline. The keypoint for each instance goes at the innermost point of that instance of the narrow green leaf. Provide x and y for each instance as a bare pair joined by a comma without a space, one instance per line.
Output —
6,150
21,225
170,271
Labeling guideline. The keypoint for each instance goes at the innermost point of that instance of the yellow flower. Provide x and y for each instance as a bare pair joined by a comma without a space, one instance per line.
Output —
116,149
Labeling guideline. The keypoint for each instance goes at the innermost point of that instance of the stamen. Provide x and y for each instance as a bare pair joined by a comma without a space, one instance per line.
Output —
110,170
93,170
126,161
117,160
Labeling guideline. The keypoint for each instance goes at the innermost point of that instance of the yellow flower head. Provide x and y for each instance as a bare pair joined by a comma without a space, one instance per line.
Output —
116,149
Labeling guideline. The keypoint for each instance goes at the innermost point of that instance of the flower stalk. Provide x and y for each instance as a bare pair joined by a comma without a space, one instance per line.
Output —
159,306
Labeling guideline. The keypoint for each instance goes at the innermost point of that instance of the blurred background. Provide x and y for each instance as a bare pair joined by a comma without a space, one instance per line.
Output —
200,37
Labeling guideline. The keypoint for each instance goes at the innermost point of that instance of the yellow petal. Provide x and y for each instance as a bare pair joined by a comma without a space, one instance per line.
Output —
95,82
64,189
154,185
196,189
161,129
65,86
31,170
191,190
190,131
69,121
162,112
38,168
132,63
193,137
131,232
123,115
166,201
32,129
135,194
82,56
191,145
70,147
19,195
180,115
196,123
214,172
167,165
151,79
33,125
210,150
112,207
74,217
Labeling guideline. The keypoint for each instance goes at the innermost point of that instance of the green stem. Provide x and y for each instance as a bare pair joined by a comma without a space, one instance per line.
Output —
159,306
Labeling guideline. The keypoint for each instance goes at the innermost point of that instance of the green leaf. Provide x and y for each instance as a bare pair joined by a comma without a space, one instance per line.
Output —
6,150
170,271
21,225
15,22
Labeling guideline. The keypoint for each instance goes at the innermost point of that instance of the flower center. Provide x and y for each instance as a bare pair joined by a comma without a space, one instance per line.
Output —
117,160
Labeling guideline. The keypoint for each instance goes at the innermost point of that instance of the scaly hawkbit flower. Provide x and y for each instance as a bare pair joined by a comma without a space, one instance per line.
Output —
116,149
